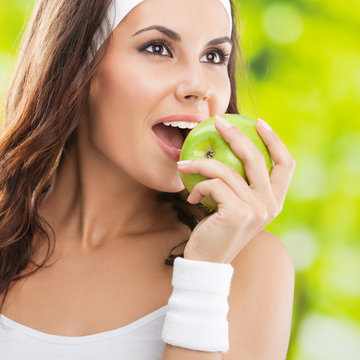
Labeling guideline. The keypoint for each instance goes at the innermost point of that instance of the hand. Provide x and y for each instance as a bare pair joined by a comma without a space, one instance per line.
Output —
243,210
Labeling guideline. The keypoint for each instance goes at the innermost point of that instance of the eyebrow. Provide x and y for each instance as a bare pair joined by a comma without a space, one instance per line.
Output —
176,37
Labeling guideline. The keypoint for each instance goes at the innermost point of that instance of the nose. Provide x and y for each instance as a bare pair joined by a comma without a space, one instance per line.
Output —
194,89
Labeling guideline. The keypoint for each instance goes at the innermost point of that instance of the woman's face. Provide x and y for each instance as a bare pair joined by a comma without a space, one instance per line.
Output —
147,75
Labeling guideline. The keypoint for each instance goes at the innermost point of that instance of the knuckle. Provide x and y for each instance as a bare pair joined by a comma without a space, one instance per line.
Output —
233,171
240,211
263,215
194,189
260,214
200,162
248,216
259,159
274,209
216,182
200,185
263,162
255,159
245,214
291,162
274,212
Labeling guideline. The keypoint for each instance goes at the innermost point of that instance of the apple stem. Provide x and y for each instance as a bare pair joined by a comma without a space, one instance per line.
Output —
210,154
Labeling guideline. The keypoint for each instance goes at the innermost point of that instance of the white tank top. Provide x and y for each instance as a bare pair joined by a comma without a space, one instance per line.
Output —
139,340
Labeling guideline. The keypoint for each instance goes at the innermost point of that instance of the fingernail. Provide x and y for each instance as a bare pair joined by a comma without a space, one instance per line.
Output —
264,124
222,121
183,162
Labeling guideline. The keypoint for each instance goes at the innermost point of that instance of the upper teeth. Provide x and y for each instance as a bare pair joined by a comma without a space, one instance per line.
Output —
181,124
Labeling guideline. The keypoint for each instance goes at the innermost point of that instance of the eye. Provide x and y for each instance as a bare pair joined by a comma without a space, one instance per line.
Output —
219,54
158,47
216,56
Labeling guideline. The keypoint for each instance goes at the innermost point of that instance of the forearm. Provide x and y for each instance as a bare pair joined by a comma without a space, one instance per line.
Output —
178,353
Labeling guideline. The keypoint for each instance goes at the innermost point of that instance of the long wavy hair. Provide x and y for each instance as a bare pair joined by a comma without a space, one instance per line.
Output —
46,97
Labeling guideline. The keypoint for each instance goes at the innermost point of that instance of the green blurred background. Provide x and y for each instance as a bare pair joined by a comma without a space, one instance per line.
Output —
303,77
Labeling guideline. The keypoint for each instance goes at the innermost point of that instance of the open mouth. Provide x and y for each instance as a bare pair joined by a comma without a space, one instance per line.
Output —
172,136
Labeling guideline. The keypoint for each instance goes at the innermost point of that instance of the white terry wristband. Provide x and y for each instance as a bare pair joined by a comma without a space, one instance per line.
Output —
198,306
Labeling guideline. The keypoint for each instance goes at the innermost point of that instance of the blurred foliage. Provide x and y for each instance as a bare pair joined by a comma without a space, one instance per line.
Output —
303,61
303,77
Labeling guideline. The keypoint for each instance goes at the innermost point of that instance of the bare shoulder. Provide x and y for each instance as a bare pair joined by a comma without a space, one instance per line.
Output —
261,300
262,250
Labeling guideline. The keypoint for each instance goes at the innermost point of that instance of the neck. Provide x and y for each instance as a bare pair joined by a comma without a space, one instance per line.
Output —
92,201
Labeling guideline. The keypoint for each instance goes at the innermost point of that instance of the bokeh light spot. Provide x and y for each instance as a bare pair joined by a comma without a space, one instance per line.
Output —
282,23
302,246
327,338
347,148
342,271
310,178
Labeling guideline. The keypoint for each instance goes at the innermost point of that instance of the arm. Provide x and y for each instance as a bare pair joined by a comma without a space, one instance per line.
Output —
260,303
261,296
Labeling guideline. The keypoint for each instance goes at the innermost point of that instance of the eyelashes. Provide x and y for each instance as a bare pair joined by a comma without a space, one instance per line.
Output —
163,43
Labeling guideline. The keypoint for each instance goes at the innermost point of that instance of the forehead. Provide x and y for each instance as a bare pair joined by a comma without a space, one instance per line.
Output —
208,16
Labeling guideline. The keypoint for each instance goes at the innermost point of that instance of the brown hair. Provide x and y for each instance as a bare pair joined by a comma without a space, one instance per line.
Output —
46,97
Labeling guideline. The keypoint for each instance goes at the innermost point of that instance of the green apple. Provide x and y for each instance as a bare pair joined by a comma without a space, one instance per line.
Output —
204,141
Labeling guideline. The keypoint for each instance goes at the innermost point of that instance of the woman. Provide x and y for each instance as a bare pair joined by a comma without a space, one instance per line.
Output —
91,205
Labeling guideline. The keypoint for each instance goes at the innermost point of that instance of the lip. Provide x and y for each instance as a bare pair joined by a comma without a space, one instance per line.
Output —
173,153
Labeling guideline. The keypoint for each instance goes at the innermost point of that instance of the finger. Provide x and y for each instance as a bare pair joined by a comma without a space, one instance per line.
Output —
282,172
227,200
252,159
212,169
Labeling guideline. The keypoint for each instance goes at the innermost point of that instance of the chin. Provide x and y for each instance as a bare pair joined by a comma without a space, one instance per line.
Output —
178,185
173,185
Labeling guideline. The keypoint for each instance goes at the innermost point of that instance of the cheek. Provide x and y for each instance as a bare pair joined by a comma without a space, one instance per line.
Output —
123,87
120,100
222,92
118,127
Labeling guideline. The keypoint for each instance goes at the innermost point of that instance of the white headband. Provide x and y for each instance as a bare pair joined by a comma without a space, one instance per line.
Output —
120,8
